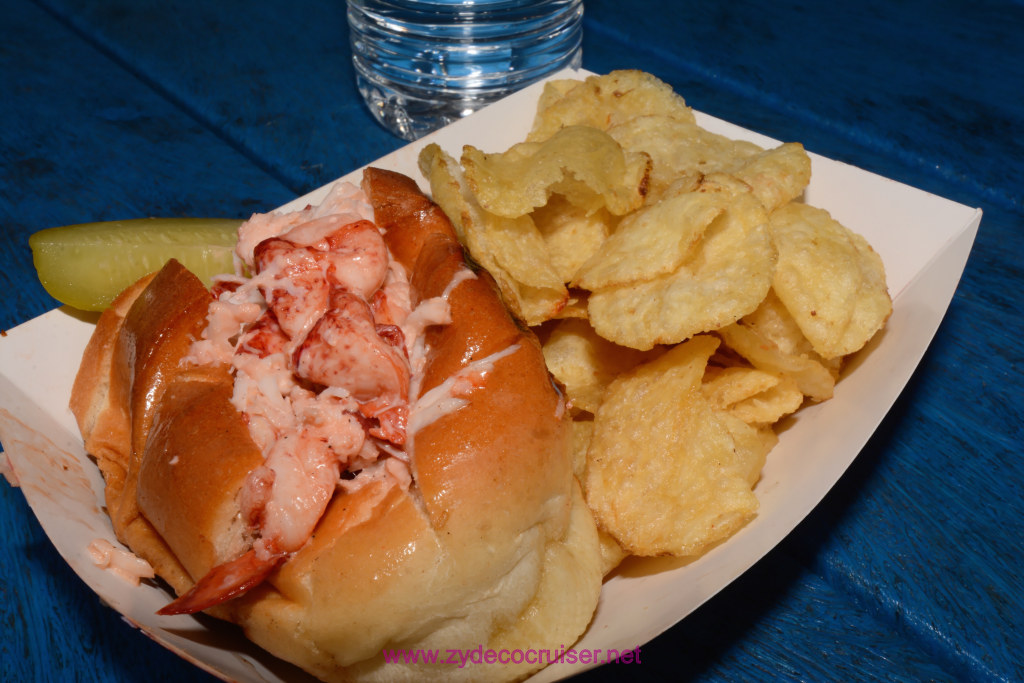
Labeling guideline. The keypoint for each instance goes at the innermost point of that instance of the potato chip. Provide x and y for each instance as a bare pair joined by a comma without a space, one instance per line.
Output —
585,364
612,554
447,188
582,431
666,472
512,251
754,396
518,248
772,321
605,101
771,405
584,164
829,278
680,149
653,240
813,379
572,234
727,277
555,90
726,387
777,176
718,181
515,246
575,306
752,444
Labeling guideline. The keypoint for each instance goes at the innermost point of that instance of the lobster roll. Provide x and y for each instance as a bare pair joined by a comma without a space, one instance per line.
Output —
348,447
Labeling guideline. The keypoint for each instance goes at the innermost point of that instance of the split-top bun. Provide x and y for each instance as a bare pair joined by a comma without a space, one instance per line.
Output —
491,547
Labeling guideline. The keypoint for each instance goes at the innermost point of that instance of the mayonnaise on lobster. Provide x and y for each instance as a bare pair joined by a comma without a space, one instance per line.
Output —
323,343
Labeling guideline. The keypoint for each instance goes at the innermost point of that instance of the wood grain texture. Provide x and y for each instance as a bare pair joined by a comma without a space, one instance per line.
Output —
83,140
274,81
911,567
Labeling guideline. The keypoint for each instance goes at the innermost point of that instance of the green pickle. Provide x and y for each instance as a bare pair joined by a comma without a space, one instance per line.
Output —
85,266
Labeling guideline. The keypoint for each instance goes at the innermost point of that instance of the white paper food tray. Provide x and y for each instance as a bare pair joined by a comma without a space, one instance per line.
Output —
924,241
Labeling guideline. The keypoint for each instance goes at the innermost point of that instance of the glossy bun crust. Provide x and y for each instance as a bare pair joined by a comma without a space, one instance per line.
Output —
491,547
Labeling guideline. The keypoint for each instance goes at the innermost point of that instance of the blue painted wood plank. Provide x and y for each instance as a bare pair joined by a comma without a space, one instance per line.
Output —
282,89
83,140
779,622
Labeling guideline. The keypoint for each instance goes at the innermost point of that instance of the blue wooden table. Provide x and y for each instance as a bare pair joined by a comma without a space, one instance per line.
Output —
911,568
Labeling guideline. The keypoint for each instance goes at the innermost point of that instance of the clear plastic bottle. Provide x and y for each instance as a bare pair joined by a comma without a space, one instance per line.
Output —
421,64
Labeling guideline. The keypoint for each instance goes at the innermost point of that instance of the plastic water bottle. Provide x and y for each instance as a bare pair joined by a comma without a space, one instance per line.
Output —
421,64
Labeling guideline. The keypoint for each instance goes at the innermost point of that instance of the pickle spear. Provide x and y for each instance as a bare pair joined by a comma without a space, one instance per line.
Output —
87,265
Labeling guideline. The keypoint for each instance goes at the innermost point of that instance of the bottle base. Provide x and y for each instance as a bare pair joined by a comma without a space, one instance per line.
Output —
411,115
422,64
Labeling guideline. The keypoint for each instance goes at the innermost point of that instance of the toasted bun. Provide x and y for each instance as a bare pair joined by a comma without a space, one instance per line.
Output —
491,548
